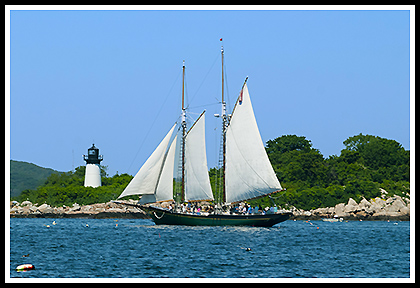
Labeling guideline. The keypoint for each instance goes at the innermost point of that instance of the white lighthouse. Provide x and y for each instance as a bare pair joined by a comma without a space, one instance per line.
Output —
93,167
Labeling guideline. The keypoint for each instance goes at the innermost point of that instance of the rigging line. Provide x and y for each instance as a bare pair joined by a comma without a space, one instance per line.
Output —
205,77
193,113
151,126
189,119
205,105
277,197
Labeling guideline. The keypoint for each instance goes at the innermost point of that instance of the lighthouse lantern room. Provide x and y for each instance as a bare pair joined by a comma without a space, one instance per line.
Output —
93,167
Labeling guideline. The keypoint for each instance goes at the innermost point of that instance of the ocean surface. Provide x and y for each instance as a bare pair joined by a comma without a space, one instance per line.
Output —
137,248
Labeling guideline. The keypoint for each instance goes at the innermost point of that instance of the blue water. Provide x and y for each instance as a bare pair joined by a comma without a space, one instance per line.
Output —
139,248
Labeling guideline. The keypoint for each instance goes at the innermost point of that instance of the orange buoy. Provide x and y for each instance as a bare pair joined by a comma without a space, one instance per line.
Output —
25,267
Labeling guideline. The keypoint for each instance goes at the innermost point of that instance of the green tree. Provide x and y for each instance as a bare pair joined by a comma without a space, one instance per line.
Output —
294,159
386,159
357,189
286,143
356,142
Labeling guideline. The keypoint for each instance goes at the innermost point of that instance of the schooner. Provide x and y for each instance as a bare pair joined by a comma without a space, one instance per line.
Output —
246,172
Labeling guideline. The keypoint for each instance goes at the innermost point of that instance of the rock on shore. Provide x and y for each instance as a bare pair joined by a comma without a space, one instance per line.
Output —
391,208
100,210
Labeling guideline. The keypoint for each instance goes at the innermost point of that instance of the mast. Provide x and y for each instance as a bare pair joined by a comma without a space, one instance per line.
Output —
225,124
184,133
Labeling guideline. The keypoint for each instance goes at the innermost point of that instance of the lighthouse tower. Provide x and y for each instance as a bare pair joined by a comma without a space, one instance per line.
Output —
93,167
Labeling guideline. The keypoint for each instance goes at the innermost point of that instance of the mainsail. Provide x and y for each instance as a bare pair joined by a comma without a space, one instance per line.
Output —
249,173
146,180
197,181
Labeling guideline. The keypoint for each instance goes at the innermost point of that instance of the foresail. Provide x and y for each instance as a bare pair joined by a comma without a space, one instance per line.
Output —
165,187
249,173
197,181
146,179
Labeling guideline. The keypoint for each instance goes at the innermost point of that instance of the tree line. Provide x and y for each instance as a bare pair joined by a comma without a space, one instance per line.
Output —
366,164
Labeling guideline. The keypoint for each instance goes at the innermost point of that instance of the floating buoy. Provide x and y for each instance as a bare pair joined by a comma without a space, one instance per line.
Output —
87,225
317,227
25,267
246,249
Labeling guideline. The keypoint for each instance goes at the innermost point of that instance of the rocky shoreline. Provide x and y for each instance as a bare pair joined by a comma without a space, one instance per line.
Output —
384,208
96,211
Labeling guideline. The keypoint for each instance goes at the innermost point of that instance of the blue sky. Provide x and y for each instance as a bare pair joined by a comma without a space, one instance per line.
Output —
114,77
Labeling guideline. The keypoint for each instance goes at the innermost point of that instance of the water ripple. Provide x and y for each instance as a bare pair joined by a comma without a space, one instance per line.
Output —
136,248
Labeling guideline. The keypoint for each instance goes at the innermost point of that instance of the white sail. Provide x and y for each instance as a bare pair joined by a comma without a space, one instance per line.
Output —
197,181
145,181
249,173
165,187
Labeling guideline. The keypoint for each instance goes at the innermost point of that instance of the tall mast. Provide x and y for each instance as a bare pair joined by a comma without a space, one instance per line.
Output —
225,123
184,132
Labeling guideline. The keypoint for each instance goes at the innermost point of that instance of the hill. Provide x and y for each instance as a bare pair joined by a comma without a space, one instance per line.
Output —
24,175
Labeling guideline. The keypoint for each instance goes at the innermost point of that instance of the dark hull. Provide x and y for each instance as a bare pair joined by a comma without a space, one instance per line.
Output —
164,216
